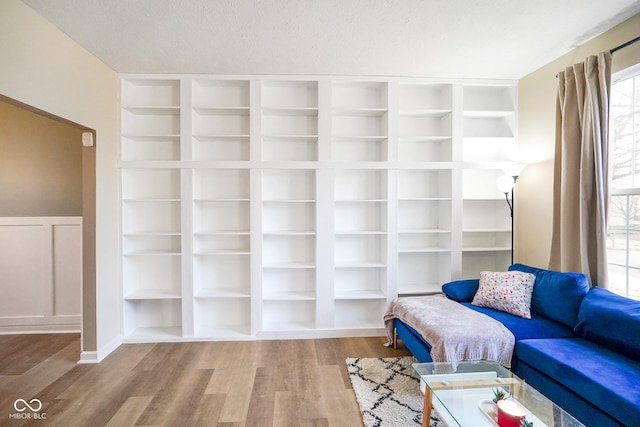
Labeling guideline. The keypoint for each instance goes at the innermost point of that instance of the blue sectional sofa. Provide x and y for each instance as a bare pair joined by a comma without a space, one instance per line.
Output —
581,347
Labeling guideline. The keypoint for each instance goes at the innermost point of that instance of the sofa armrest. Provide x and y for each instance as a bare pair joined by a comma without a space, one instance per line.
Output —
461,290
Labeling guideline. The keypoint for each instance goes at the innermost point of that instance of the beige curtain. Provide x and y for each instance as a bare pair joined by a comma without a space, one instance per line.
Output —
580,193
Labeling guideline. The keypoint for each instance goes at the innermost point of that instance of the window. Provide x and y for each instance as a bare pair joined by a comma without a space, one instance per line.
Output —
623,236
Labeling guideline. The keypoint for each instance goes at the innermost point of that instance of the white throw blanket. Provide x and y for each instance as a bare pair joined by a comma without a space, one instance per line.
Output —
454,331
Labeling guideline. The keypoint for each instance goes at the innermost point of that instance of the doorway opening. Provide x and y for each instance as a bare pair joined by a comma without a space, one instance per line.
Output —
30,191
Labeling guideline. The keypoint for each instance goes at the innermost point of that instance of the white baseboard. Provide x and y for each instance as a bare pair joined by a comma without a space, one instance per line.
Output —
39,329
87,357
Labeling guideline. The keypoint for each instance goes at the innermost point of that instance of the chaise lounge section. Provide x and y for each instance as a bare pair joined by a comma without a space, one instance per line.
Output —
581,347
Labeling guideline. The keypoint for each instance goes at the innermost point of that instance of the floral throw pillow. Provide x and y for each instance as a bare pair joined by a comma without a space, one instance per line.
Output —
508,291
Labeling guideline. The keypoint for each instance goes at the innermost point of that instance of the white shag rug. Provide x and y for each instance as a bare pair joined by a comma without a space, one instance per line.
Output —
388,392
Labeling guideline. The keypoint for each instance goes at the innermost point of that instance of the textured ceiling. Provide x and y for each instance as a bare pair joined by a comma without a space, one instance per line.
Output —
430,38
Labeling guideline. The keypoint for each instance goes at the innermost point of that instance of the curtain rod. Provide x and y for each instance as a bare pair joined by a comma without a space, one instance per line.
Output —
623,45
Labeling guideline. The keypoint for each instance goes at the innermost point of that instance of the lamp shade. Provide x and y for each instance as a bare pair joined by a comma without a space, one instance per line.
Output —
505,183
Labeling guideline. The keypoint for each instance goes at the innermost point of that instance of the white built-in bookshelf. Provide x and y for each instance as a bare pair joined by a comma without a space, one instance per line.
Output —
299,207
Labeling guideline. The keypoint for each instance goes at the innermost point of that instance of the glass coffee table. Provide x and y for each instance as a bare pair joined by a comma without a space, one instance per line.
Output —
463,395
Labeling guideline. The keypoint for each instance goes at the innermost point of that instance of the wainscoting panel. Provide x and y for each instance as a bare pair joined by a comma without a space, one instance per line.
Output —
40,274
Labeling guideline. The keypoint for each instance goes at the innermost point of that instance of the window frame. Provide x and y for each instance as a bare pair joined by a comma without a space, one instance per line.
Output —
629,72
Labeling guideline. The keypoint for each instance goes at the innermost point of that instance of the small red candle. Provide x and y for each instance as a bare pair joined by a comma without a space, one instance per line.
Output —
510,414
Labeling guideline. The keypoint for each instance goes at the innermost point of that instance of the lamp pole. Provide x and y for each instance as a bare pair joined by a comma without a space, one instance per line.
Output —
510,204
507,183
513,215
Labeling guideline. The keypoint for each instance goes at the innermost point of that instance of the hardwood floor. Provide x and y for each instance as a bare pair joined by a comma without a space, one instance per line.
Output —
226,384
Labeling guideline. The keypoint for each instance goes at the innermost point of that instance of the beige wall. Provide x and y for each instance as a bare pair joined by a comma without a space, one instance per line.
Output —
40,66
40,165
536,129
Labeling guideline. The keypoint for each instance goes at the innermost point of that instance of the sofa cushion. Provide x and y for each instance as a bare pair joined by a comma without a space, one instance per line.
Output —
606,379
508,291
556,295
610,320
461,290
536,327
